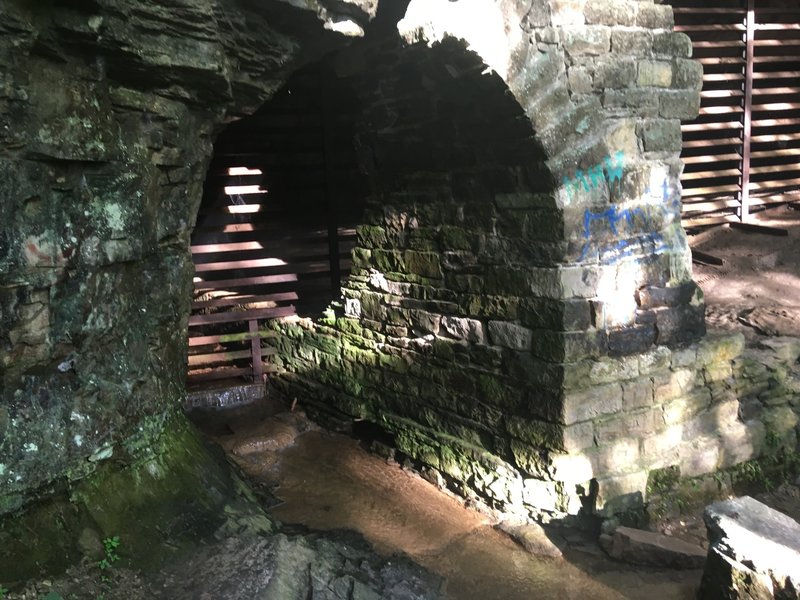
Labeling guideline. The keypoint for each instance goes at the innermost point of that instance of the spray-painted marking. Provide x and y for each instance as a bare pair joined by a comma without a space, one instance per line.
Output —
609,169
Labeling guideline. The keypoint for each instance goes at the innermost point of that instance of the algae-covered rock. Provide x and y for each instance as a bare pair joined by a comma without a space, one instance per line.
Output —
177,495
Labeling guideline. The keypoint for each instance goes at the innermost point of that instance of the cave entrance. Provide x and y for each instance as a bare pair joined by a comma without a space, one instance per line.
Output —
275,228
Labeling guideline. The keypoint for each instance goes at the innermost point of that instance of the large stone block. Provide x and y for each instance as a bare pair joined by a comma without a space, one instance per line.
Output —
654,73
634,43
610,12
662,135
592,40
679,104
673,44
614,73
655,549
688,74
592,403
510,335
754,552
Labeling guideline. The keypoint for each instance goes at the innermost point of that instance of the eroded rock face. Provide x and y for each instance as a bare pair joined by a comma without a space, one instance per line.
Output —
109,110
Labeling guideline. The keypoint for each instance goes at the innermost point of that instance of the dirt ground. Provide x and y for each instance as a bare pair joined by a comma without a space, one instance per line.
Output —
757,289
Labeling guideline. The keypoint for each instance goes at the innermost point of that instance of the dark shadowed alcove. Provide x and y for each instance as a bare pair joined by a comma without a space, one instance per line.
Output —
276,225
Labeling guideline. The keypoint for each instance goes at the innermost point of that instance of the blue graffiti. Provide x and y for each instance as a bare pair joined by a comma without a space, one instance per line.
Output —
614,217
609,169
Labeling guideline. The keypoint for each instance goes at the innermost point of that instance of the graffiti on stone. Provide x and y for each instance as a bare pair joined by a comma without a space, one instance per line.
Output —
601,230
609,169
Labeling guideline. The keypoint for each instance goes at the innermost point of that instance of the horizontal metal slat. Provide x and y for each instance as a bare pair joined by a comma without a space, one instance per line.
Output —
239,316
226,338
238,299
224,284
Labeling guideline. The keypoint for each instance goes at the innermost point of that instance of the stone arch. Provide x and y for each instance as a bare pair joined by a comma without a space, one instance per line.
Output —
605,86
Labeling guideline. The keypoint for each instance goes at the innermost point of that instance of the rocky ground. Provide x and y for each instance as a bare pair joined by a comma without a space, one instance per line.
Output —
757,289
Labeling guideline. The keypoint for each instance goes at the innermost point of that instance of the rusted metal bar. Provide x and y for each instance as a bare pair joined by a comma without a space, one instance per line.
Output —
255,347
707,259
744,209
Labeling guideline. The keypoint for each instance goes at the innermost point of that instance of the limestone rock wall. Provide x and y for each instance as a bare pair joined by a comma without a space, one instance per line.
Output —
109,109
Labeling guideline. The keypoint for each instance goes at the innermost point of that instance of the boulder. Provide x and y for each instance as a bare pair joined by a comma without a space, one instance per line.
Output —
532,537
754,552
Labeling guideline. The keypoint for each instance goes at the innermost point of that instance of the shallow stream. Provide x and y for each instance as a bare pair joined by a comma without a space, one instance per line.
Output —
327,481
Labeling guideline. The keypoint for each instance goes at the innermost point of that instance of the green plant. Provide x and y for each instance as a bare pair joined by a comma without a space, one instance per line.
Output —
772,440
3,591
110,546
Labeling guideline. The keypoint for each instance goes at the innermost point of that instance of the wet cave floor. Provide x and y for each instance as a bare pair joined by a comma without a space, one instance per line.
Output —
325,481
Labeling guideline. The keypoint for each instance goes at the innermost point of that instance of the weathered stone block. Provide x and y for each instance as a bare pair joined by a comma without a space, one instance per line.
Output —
580,80
655,549
654,73
655,360
659,296
754,552
680,324
510,335
529,459
685,407
678,104
572,468
610,12
637,393
740,442
699,455
644,102
578,436
540,494
781,422
461,328
664,445
619,457
661,135
617,73
672,44
671,385
655,16
578,282
425,264
718,348
688,74
592,403
608,370
634,43
631,340
591,40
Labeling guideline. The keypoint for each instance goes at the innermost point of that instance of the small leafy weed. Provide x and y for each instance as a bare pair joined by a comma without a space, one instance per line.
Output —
110,546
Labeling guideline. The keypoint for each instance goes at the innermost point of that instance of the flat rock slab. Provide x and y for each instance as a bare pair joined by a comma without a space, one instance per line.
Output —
532,537
654,549
754,553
